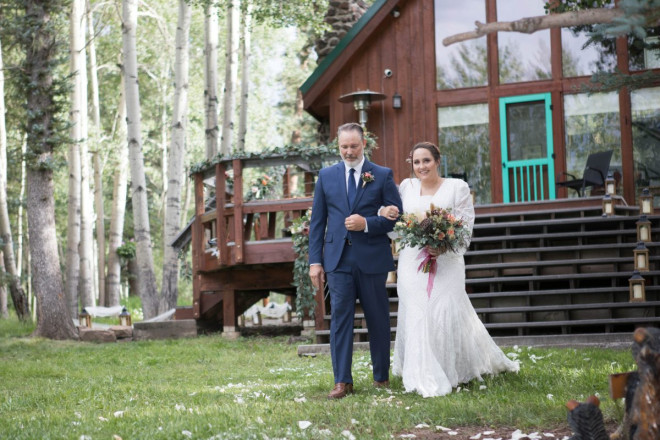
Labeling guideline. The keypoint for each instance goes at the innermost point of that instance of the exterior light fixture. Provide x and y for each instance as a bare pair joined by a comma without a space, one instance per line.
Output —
84,319
643,229
125,318
608,206
641,255
610,185
396,101
362,100
646,202
637,287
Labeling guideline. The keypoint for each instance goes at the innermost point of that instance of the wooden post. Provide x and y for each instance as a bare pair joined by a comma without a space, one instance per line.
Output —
220,221
229,313
238,210
197,242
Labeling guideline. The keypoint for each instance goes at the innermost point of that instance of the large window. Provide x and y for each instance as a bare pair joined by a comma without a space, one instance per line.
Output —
578,60
523,57
465,145
461,64
646,140
592,125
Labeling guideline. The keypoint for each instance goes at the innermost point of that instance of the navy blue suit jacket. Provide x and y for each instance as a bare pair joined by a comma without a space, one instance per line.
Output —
327,232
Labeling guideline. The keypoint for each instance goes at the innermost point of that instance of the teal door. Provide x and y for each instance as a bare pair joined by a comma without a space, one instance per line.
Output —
527,152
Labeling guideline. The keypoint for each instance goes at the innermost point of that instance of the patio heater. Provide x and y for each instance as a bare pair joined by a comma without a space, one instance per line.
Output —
362,100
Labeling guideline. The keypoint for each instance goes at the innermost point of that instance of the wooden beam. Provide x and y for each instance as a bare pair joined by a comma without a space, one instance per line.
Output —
238,210
221,223
197,241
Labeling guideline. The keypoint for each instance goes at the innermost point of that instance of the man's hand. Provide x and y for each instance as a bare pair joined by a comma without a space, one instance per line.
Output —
355,223
317,274
389,212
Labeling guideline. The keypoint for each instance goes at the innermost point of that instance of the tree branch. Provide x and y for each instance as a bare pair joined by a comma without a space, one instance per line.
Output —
530,25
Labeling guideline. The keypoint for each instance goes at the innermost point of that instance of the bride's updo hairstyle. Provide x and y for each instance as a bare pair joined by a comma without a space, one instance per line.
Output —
432,148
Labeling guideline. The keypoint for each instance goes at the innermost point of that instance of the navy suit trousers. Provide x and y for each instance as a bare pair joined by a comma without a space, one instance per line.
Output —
347,283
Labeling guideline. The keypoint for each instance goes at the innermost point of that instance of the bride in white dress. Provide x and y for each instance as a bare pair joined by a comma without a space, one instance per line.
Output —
440,340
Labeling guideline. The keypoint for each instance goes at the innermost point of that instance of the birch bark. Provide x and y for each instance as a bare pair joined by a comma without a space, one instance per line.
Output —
231,77
147,288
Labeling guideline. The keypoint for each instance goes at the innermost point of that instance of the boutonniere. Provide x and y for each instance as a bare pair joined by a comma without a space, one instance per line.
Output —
366,178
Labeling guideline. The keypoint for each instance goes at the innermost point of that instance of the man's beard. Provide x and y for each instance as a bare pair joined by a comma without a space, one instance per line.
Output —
352,163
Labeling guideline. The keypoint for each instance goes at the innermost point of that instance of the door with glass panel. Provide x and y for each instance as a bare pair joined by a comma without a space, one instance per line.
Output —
527,152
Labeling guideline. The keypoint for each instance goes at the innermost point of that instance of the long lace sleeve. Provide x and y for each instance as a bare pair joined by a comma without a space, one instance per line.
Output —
402,189
464,209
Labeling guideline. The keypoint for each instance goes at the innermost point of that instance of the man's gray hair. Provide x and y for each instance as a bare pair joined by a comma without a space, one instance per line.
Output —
351,126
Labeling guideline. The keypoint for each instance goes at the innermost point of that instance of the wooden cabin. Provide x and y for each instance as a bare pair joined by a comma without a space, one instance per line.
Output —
511,117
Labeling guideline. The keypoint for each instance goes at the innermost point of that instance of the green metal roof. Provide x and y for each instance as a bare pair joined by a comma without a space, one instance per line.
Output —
343,43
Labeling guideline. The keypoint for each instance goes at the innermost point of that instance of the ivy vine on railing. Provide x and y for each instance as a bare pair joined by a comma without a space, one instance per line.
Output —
305,292
292,150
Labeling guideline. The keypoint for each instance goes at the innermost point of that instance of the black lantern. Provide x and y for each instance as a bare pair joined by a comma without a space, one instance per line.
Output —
125,318
641,254
396,101
608,206
362,100
84,319
637,287
610,185
646,202
643,229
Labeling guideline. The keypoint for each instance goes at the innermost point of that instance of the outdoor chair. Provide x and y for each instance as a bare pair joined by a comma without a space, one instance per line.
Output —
594,173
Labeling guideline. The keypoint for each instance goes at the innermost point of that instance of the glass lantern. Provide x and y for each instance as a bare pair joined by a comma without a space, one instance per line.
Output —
84,319
646,202
608,206
643,229
637,287
610,185
125,318
641,255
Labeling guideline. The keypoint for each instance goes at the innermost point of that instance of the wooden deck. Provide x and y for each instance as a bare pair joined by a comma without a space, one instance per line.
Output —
551,267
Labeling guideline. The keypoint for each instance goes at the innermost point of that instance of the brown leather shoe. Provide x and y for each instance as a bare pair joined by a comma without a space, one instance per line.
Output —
341,390
383,384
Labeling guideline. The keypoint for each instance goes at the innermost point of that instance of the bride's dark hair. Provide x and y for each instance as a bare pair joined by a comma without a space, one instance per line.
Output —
432,148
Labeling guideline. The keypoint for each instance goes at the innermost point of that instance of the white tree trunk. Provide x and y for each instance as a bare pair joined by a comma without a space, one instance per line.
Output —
231,76
116,233
530,25
79,119
147,288
12,279
175,170
98,161
245,75
211,79
22,238
73,258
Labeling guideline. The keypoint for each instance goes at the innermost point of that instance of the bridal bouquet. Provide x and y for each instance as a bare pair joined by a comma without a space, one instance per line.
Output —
439,229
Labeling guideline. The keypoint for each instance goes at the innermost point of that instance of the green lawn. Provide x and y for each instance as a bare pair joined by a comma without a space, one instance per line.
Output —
209,387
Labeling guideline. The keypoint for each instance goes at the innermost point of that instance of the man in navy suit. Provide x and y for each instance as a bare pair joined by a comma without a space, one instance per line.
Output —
348,243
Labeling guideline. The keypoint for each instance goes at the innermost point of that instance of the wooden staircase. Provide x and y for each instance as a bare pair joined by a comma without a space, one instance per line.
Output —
551,271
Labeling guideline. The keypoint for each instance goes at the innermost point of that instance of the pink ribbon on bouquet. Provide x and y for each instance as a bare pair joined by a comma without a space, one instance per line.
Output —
428,261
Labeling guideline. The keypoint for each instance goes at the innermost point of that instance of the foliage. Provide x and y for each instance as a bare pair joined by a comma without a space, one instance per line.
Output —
127,250
305,292
260,187
438,229
209,387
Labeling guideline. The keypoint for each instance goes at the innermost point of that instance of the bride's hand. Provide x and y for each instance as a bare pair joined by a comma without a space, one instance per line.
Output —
389,212
434,251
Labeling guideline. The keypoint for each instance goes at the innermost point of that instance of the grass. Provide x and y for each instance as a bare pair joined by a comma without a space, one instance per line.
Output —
210,387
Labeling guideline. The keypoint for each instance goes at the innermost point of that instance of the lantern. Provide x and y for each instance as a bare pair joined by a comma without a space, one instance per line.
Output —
637,289
643,229
84,319
610,185
646,202
608,206
125,318
641,255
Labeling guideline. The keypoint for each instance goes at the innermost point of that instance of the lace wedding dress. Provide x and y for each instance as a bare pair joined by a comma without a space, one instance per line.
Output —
440,341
